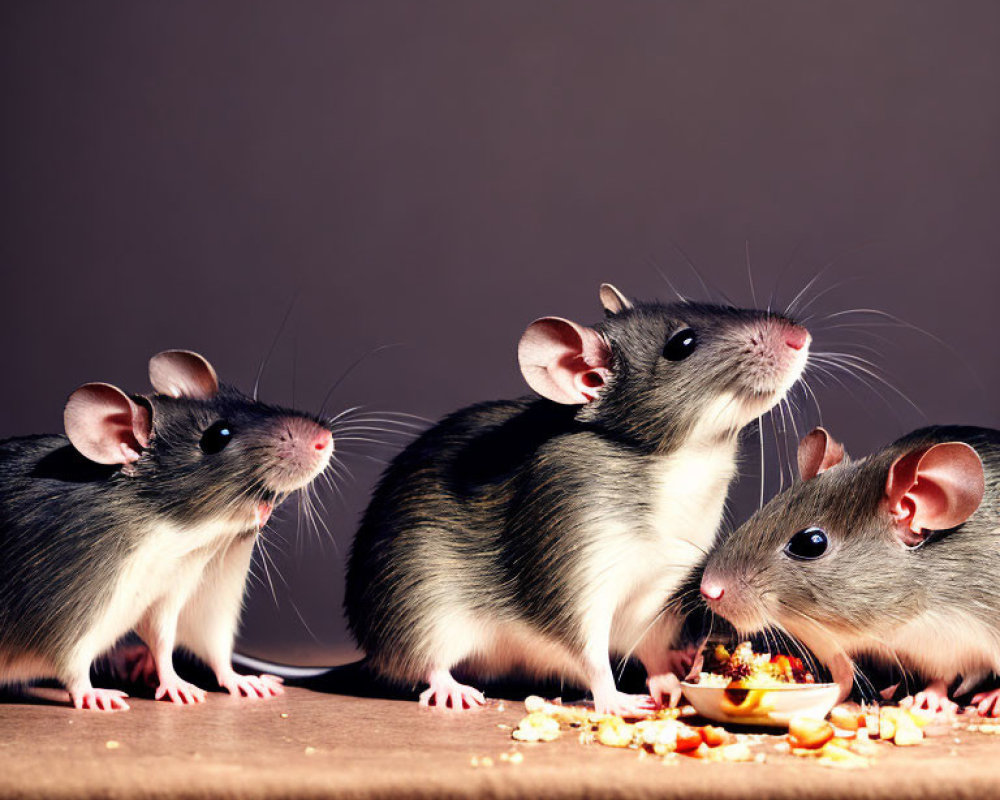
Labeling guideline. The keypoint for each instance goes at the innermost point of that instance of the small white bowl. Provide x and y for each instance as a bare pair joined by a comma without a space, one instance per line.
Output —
771,707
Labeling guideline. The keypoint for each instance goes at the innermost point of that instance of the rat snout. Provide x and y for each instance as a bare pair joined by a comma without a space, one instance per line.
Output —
726,596
784,336
712,590
302,449
797,337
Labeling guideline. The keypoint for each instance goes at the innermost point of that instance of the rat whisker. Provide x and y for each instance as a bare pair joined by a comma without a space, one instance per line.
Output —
350,369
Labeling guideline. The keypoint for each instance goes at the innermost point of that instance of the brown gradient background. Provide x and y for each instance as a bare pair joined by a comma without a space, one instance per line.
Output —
437,174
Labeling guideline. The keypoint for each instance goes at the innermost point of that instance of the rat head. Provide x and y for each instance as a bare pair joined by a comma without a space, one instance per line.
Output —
838,557
195,449
652,372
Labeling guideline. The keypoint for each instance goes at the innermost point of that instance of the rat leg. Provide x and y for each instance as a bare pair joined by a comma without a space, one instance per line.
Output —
209,619
445,692
666,665
607,698
933,698
158,628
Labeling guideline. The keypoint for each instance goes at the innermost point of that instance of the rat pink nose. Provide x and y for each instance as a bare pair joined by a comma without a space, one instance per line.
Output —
322,440
712,591
796,337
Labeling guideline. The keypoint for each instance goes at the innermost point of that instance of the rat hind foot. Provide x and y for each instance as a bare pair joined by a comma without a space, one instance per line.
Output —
255,687
445,692
987,703
99,699
180,692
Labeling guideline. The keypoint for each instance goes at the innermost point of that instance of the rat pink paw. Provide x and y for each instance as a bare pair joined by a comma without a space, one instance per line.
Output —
180,692
665,689
100,700
934,699
255,687
987,703
624,705
445,692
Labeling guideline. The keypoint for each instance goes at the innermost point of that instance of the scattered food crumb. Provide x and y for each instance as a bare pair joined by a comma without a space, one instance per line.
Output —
310,750
284,715
111,744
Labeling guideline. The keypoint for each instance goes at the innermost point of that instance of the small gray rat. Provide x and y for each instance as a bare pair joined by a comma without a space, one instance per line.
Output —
143,516
541,535
894,555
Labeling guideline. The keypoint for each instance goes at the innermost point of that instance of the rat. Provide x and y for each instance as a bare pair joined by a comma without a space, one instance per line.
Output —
544,534
143,516
894,556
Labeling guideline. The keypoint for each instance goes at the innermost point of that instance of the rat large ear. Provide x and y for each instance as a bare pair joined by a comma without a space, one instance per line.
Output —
818,451
614,302
181,373
105,425
563,361
934,489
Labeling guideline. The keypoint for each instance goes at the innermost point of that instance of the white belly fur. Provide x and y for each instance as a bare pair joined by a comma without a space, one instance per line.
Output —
170,561
686,509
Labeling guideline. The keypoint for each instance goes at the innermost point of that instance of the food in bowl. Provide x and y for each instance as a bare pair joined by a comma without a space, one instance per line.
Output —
758,689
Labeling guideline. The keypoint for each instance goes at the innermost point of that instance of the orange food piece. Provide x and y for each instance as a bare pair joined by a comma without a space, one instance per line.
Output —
688,739
714,736
808,732
847,718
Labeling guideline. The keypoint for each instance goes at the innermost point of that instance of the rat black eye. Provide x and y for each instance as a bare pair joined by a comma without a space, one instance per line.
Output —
216,437
680,345
808,544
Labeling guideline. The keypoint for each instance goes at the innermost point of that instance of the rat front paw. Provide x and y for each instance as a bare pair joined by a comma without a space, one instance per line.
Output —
665,689
255,687
987,703
99,700
180,692
934,699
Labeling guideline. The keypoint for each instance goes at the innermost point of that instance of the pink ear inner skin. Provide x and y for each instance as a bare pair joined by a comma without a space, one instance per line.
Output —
934,489
183,373
818,452
104,425
562,361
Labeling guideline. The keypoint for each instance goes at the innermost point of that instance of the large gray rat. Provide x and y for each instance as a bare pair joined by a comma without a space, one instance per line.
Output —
144,515
541,535
894,555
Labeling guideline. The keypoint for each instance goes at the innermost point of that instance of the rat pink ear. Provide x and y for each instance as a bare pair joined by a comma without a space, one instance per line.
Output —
181,373
614,302
818,451
105,425
934,489
563,361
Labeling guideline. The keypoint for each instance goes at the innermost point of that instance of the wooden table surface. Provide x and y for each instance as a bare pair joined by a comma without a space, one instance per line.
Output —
313,744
